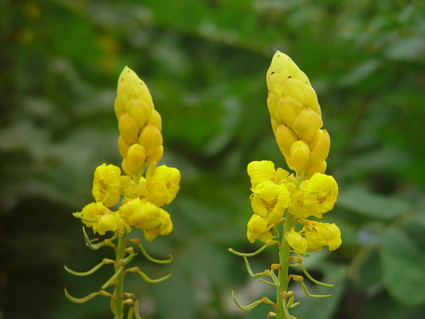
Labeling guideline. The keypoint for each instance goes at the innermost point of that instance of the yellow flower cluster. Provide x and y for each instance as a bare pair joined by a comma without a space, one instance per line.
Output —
140,144
274,191
296,121
296,116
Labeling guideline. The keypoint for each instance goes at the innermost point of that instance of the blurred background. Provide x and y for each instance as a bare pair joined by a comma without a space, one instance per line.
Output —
204,62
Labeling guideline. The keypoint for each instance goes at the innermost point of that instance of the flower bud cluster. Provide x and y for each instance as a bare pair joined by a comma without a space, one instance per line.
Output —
140,144
274,191
140,140
296,116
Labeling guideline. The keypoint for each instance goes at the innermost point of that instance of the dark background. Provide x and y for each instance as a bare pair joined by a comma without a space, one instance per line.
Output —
205,64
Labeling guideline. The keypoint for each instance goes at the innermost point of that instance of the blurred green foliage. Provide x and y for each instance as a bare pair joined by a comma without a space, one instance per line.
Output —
205,63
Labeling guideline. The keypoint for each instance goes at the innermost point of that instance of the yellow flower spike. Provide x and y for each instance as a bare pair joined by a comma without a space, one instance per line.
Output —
319,146
163,185
150,139
260,171
258,228
155,120
321,190
298,243
128,128
287,110
315,168
307,123
138,110
123,146
300,154
136,155
156,156
285,138
107,184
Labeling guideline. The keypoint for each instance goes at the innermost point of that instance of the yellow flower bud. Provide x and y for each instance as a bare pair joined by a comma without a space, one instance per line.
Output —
296,241
155,119
123,146
307,123
283,64
287,110
319,146
128,169
285,138
300,154
274,125
107,184
156,155
294,88
142,90
136,155
272,100
125,91
138,110
309,98
150,139
315,168
128,128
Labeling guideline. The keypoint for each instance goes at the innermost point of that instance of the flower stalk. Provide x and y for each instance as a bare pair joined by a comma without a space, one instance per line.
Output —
292,199
141,193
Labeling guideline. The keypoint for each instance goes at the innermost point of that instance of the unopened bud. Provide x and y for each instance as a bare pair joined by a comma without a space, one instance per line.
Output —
136,155
272,100
287,110
319,146
274,125
307,123
300,154
127,168
124,93
156,156
294,88
150,139
155,119
123,146
143,91
315,168
138,110
309,98
128,128
285,138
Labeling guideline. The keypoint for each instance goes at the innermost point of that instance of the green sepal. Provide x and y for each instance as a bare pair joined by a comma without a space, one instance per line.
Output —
105,261
88,297
248,254
89,243
248,268
112,279
144,252
313,296
246,308
314,280
136,270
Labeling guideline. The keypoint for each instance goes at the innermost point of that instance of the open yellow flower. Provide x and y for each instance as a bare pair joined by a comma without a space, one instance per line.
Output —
163,185
165,226
320,234
107,184
296,241
259,228
320,193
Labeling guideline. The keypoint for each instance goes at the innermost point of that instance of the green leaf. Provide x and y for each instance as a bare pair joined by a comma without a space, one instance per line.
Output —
403,267
369,204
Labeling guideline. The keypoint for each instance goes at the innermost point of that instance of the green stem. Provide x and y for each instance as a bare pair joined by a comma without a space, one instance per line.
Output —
284,255
120,278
